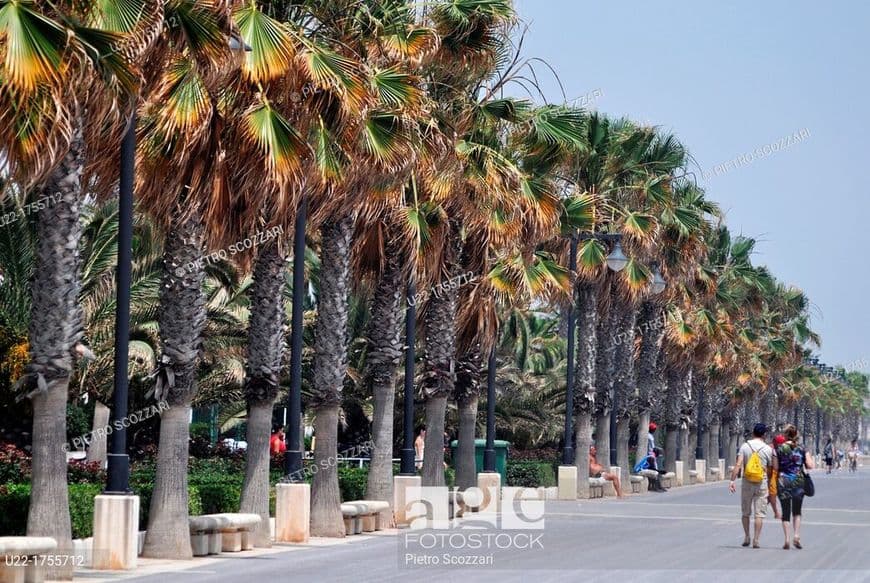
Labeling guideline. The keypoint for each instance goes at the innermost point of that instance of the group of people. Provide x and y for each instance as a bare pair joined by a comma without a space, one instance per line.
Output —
651,462
770,474
834,458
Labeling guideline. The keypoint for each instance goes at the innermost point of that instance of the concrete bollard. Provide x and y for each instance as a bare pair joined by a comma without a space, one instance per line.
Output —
567,482
292,513
680,471
402,486
701,468
490,484
116,532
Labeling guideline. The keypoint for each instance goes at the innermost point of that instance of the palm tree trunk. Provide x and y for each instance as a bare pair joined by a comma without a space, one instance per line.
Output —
168,535
586,302
255,488
583,431
265,353
672,416
326,518
330,368
382,362
624,380
467,395
439,371
433,456
465,464
671,450
604,370
649,322
623,435
54,330
182,318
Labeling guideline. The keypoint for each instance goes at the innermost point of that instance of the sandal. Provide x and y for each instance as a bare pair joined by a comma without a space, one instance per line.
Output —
755,545
785,546
746,543
797,543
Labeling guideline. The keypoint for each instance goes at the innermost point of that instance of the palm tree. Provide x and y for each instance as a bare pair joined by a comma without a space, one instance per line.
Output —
56,55
180,153
262,379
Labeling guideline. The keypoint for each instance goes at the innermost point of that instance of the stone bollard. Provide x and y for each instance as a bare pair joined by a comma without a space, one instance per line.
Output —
292,513
402,486
567,482
680,471
116,532
490,484
701,468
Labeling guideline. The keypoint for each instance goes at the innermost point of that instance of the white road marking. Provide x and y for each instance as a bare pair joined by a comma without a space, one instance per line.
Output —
700,518
811,508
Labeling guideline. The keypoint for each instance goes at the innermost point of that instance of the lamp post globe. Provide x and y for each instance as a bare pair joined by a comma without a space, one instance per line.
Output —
658,283
617,259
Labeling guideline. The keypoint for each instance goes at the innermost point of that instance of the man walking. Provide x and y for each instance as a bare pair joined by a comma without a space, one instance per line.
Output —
755,459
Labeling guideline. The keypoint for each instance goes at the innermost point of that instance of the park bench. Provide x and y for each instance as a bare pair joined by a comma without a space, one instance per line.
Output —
693,476
669,479
637,483
714,474
211,534
363,515
596,487
21,558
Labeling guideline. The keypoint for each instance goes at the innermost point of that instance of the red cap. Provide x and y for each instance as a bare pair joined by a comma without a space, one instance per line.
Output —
653,426
779,439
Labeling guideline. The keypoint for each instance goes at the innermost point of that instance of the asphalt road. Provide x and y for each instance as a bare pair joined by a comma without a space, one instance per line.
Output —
688,534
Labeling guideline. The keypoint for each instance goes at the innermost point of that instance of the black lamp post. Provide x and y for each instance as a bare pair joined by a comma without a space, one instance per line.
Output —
118,469
568,447
489,451
408,453
699,447
293,455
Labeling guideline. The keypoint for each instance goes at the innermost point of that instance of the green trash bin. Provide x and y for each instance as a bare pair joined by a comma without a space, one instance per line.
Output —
501,454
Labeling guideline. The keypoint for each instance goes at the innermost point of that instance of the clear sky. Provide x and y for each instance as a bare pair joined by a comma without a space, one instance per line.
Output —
730,78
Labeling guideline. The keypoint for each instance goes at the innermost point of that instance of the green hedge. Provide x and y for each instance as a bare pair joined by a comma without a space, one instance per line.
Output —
211,489
530,474
15,502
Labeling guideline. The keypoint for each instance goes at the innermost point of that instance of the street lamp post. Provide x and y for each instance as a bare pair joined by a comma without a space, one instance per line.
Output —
408,453
489,451
699,447
568,447
293,455
118,469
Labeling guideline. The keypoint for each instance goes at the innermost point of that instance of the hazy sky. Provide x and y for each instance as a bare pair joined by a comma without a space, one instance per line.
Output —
732,79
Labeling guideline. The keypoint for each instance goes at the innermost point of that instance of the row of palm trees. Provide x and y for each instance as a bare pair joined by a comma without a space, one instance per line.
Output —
389,124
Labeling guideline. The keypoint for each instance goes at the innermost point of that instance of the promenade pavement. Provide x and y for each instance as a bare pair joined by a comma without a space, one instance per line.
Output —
691,533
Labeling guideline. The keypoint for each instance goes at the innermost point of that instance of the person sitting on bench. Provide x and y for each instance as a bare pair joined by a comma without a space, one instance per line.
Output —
596,470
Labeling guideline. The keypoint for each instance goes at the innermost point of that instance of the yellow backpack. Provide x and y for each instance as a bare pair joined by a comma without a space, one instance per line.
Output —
754,471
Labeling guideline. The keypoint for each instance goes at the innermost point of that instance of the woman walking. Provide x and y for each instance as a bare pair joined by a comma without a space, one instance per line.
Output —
791,463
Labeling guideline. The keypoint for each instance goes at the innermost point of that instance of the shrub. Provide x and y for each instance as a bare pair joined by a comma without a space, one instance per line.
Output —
200,430
15,503
85,472
547,454
530,474
14,464
81,508
218,495
352,483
